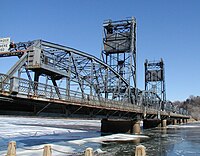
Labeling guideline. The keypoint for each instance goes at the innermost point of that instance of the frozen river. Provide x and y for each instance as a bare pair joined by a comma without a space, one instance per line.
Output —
34,133
64,135
73,136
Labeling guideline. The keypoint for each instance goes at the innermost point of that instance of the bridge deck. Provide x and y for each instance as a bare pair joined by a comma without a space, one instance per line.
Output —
19,94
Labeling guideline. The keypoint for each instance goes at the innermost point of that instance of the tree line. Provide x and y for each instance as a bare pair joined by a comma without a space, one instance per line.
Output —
191,104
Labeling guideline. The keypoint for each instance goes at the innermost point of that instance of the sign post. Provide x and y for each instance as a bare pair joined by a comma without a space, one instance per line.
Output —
4,44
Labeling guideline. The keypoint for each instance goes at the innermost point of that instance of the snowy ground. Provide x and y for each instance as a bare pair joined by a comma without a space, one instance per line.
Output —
64,135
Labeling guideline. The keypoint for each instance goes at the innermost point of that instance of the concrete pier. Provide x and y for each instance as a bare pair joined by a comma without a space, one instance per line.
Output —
136,127
151,123
174,122
120,126
184,121
169,122
154,123
129,126
164,123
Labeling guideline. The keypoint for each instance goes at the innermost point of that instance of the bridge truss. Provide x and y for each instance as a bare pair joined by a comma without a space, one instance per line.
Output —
60,66
119,53
51,72
155,80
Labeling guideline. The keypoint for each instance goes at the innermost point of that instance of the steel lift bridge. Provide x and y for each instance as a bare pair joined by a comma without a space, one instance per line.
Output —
52,78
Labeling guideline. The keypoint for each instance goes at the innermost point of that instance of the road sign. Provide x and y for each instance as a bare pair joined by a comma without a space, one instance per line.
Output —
4,44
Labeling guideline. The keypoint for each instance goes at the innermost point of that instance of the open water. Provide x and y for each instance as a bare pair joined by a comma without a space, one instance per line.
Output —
176,140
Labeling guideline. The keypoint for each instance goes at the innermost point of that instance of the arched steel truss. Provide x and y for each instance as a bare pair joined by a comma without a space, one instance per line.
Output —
61,66
54,73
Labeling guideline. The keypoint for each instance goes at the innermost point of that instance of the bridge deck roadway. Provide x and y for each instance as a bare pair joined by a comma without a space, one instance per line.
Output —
21,95
80,108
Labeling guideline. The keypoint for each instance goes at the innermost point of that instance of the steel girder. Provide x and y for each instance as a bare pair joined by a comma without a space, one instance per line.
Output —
68,68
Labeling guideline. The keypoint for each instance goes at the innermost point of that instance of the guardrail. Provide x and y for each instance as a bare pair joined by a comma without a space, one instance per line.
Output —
24,87
15,85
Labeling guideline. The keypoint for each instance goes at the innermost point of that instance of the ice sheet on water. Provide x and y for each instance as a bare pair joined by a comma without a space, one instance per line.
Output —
33,133
12,127
47,121
16,131
183,126
109,138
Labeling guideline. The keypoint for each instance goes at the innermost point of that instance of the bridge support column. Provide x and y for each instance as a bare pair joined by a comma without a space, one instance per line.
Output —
120,126
174,122
136,127
184,120
164,123
160,124
170,122
151,123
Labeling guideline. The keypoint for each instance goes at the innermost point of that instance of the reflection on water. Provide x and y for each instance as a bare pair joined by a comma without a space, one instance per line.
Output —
179,140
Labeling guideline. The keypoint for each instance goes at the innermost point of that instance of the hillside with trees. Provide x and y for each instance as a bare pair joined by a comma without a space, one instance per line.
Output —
192,104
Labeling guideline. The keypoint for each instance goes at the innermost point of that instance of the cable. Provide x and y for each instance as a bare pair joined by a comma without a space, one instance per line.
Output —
34,149
68,153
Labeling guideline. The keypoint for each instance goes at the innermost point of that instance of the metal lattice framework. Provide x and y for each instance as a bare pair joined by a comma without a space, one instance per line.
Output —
155,79
51,74
74,70
120,54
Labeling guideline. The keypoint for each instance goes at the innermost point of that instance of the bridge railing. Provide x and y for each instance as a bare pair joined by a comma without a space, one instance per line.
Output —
31,89
24,87
4,83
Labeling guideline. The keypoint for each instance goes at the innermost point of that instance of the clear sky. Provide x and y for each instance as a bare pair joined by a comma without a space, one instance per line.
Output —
165,28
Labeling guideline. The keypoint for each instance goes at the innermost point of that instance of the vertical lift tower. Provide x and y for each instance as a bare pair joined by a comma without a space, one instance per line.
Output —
119,52
155,80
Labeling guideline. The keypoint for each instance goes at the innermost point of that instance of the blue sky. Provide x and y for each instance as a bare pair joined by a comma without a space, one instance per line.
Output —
165,28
